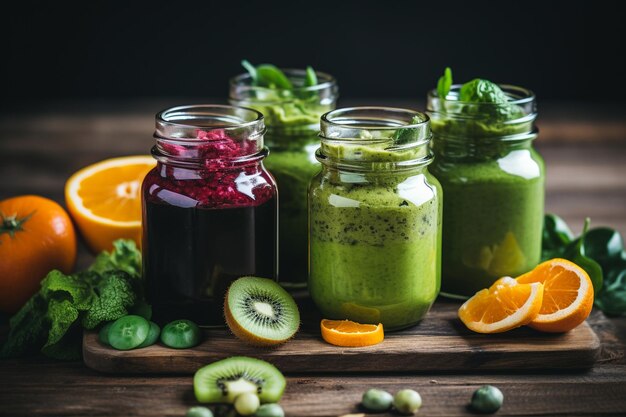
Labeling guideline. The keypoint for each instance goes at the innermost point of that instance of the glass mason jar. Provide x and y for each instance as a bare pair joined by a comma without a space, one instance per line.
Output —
375,218
209,210
493,180
292,118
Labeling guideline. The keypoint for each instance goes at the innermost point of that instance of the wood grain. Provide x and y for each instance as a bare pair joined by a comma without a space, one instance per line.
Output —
439,343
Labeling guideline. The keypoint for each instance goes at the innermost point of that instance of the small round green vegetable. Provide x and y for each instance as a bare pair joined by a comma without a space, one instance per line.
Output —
407,401
199,412
487,399
247,403
270,410
180,334
103,334
128,332
376,400
153,336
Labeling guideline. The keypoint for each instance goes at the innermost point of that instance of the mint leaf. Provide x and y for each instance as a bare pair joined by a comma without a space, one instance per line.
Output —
125,256
115,297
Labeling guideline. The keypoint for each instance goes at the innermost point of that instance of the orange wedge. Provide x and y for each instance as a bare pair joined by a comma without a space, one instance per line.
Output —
567,295
507,304
351,334
105,200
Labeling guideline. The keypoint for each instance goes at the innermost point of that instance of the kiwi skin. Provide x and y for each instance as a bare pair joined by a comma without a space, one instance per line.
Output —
247,336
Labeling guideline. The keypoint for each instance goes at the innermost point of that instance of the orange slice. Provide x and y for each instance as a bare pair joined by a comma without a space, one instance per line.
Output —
507,304
351,334
105,200
567,295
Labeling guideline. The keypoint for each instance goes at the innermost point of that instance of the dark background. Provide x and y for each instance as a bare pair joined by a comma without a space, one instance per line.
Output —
562,50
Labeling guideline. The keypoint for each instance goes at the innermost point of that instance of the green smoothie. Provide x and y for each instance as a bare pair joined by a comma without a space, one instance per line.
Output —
375,241
494,185
292,102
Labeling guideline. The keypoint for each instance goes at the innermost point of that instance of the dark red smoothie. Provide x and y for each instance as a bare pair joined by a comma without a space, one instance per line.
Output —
206,223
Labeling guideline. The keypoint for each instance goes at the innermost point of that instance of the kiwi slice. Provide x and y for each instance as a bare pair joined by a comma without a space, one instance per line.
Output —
261,312
223,381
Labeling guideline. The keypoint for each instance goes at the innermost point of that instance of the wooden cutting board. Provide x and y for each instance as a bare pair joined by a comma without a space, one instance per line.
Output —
439,343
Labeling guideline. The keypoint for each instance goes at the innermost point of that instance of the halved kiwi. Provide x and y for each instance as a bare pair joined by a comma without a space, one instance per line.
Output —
261,312
223,381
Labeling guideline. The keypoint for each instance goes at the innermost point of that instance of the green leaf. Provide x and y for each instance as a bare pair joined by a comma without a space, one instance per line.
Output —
407,135
272,77
125,256
251,70
62,314
555,236
115,297
575,252
78,287
28,329
603,244
612,299
311,78
444,83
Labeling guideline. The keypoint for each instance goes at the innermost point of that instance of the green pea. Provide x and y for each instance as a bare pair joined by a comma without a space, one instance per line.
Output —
407,401
270,410
376,400
247,403
199,412
487,399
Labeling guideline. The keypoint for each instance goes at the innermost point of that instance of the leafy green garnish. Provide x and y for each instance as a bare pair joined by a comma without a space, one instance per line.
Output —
251,70
311,77
406,135
498,106
600,252
444,83
52,320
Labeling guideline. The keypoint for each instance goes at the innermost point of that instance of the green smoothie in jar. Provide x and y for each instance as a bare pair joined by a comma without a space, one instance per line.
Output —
493,180
375,218
292,102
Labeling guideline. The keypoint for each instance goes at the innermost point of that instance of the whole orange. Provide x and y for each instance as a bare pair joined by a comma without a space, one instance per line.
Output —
36,236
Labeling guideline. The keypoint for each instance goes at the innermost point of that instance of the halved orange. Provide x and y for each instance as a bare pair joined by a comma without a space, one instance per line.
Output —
105,200
351,334
507,304
567,295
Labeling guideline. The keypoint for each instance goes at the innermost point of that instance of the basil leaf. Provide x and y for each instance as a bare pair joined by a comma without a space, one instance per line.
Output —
311,77
251,70
444,83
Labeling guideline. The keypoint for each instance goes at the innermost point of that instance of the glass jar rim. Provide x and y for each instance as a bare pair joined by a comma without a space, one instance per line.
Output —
231,118
242,81
332,118
519,94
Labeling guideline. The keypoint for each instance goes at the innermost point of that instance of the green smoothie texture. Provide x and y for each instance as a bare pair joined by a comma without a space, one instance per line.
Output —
292,115
375,245
494,185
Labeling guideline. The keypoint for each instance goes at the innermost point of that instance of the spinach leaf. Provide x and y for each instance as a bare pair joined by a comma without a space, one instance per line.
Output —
556,235
575,252
600,252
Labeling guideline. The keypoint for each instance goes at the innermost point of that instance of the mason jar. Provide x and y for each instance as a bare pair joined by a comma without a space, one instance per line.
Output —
209,210
292,118
375,218
493,180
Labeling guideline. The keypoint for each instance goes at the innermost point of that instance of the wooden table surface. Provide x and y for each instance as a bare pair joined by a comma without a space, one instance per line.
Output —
585,150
